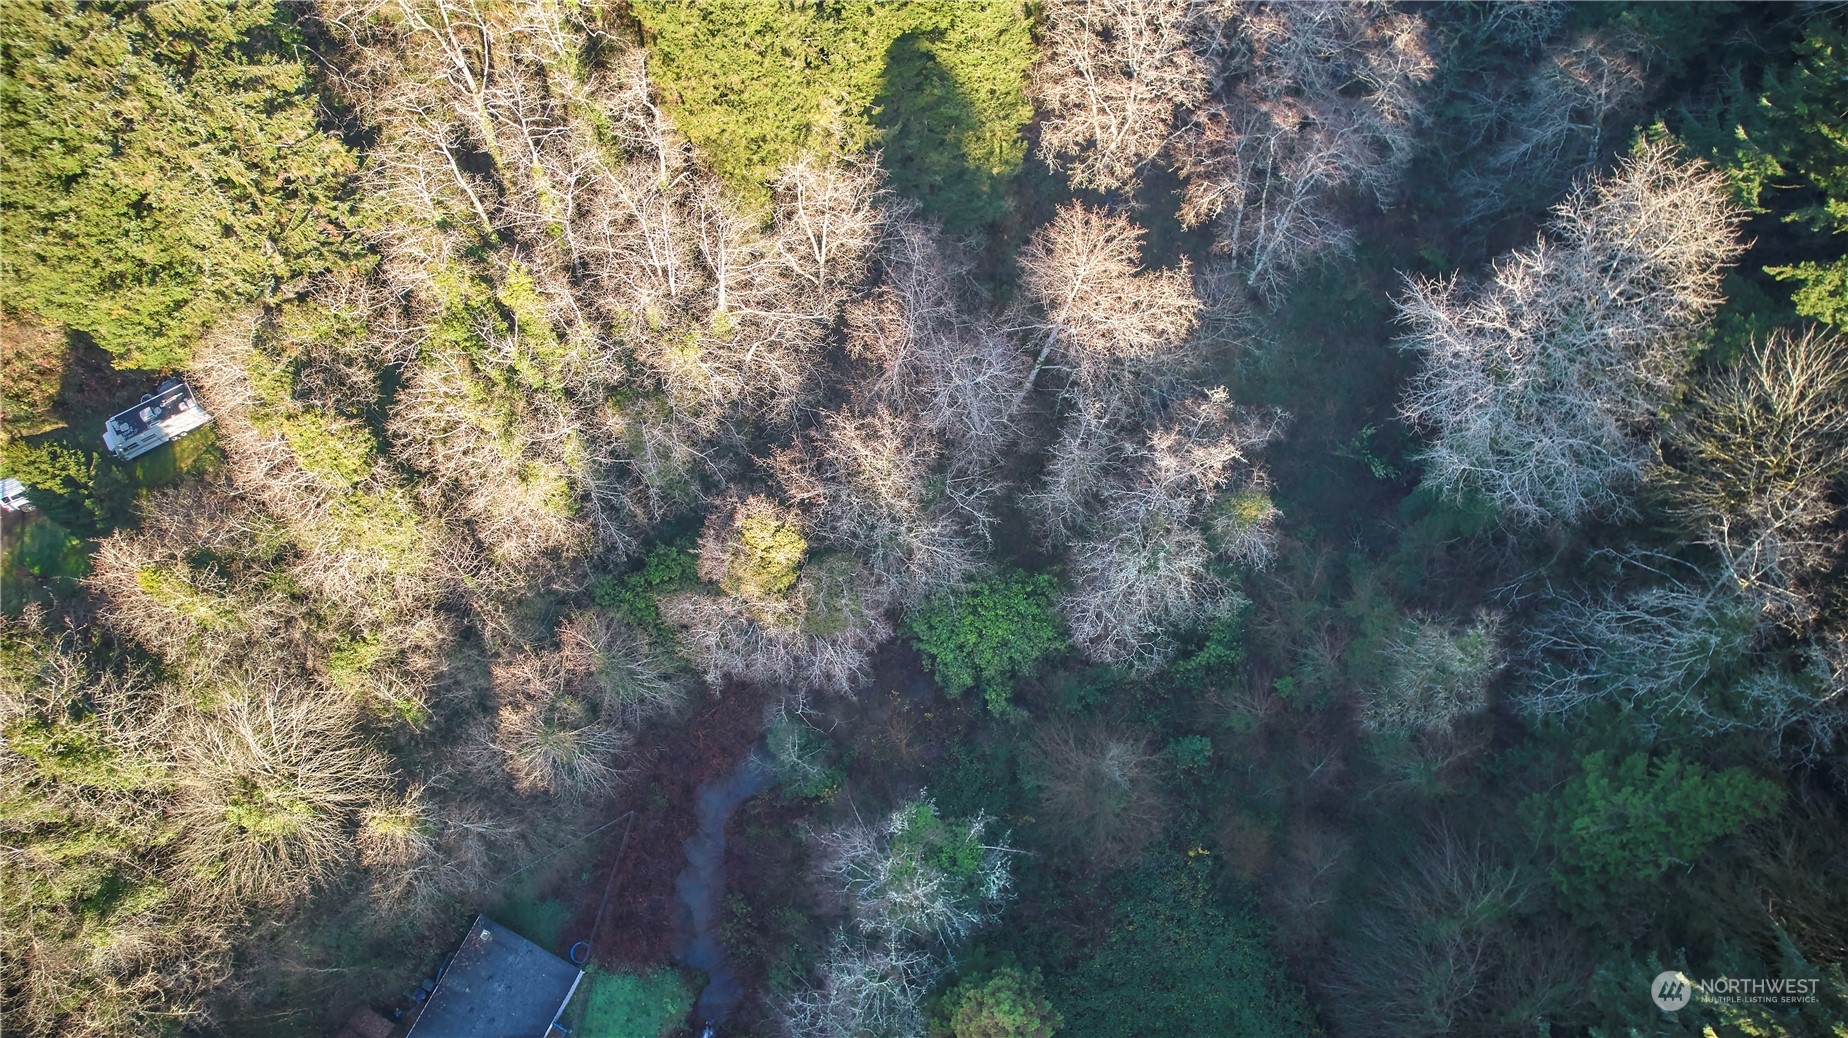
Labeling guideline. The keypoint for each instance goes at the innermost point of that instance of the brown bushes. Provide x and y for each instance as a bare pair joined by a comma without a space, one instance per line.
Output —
558,745
1100,792
271,785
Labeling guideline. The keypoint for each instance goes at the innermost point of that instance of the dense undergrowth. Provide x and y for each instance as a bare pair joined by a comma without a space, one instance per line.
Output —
1280,520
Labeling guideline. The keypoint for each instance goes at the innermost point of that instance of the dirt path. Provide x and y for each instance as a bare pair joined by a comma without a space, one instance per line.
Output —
642,921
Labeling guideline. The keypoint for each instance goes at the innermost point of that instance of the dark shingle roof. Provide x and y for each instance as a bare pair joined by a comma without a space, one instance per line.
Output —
500,985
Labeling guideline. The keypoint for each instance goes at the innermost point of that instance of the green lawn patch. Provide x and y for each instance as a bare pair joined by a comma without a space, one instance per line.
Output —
622,1004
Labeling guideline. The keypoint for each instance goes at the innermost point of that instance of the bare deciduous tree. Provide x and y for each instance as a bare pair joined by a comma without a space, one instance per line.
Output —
1434,923
1100,790
754,309
1097,308
634,679
863,988
434,845
1524,24
1149,529
814,623
917,877
915,887
271,783
1535,386
199,619
437,117
89,749
500,455
1115,78
824,641
1307,878
1268,110
1435,676
1755,461
1557,122
630,262
557,744
1136,586
828,218
1652,649
1684,647
395,833
1088,453
1320,98
287,395
878,486
930,356
565,711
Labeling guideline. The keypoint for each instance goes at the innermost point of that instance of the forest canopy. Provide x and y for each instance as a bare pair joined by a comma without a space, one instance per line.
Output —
167,164
928,520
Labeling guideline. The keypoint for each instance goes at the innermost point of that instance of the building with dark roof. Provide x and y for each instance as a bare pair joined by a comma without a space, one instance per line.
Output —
498,985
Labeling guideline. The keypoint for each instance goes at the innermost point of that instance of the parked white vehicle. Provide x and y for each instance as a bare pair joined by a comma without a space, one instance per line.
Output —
159,418
13,495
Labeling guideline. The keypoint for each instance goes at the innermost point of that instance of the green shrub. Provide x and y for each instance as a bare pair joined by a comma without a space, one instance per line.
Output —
383,524
350,659
80,489
1190,753
1622,823
77,750
832,599
665,569
1174,962
173,588
337,449
976,777
949,846
990,636
1007,1004
468,303
1432,523
541,358
1220,656
266,813
47,550
766,553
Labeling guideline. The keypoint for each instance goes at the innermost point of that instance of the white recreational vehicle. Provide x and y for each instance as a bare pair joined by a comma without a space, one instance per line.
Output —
159,418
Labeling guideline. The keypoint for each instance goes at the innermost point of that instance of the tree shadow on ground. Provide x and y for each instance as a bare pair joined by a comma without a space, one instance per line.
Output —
931,134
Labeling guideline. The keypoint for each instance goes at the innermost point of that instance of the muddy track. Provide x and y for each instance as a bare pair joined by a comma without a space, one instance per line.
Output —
642,922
